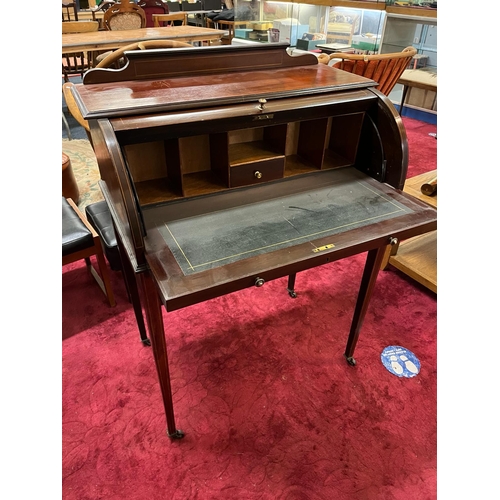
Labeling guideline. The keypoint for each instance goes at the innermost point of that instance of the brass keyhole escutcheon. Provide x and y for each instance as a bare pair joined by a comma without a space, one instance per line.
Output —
259,282
257,174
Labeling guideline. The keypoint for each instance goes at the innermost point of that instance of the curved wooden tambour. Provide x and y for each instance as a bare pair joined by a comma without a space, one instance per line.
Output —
387,159
118,186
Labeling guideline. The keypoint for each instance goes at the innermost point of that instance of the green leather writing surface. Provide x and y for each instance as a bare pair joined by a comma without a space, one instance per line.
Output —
214,239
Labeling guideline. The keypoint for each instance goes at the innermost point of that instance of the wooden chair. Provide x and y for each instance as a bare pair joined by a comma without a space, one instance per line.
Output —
73,108
228,25
69,11
151,7
102,7
169,19
125,15
77,63
341,27
385,69
81,241
110,61
92,213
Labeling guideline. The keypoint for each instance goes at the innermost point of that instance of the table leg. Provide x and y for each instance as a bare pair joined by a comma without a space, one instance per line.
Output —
157,336
403,98
370,273
291,285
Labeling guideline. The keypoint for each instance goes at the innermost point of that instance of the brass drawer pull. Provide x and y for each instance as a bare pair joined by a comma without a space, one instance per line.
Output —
257,174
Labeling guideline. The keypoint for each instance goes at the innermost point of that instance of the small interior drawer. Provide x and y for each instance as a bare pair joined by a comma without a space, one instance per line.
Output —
257,171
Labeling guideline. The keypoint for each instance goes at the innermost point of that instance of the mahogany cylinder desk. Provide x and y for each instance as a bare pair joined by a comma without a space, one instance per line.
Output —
225,167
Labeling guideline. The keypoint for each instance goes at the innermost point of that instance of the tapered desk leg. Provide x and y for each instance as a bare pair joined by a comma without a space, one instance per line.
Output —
154,320
291,286
370,273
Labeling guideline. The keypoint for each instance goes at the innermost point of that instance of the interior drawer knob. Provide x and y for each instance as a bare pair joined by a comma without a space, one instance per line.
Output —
259,282
257,174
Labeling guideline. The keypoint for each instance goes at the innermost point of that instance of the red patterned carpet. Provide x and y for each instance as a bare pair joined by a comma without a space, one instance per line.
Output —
270,408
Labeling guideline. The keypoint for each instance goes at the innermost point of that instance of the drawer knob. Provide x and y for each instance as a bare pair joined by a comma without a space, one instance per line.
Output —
257,174
259,282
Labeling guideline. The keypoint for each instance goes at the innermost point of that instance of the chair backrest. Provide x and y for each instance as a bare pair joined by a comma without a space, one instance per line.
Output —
109,60
79,26
151,7
69,11
385,69
79,62
169,19
125,15
102,7
73,107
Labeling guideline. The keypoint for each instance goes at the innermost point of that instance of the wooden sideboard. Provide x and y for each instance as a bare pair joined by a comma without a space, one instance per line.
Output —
227,167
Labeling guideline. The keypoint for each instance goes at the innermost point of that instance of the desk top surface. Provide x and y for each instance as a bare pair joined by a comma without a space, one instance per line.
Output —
188,78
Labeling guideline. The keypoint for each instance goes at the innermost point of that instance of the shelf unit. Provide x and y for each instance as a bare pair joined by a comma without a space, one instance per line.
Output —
206,161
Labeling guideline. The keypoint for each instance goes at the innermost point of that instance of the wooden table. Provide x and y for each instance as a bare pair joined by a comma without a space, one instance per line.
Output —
106,40
419,79
417,257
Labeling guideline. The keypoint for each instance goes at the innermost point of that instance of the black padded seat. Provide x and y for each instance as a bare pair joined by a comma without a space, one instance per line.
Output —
75,235
99,216
81,241
100,219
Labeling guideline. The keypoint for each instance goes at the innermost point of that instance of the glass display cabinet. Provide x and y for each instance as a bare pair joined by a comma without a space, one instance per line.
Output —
304,25
375,27
421,32
400,31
